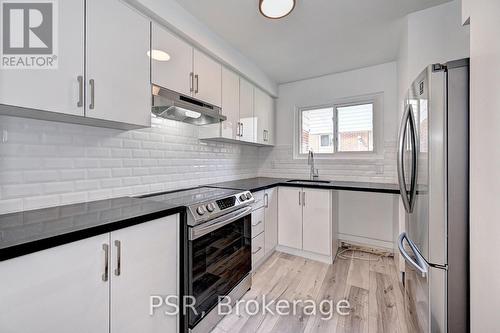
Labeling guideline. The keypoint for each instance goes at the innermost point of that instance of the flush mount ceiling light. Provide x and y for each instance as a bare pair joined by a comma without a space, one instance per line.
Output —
275,9
158,55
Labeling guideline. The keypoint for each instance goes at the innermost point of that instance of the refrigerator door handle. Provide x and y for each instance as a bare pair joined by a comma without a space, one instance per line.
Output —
400,159
419,264
414,168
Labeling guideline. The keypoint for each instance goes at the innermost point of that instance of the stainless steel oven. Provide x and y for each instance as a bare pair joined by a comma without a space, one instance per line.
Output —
219,262
216,251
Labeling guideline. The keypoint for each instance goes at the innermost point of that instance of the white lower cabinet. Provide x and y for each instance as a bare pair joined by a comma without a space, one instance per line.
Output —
316,221
271,219
56,290
264,225
290,217
149,258
305,222
101,284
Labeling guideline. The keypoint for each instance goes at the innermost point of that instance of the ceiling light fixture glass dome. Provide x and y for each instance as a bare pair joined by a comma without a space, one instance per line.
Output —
276,9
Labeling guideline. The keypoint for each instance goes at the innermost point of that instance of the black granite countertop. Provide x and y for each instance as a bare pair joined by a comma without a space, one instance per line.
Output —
262,183
35,230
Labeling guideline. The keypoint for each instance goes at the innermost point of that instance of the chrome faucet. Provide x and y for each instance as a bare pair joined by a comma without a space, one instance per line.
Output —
314,173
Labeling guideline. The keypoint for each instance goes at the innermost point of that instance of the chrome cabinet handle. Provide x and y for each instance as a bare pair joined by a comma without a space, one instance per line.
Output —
400,158
265,135
304,198
300,201
238,129
105,247
420,265
197,78
266,200
241,129
92,94
260,248
256,224
80,91
191,82
118,268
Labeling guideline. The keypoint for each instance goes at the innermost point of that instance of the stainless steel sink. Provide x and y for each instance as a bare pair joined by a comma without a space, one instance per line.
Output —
307,181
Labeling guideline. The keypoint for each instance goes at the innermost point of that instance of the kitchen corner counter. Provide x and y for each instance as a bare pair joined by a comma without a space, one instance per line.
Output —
262,183
35,230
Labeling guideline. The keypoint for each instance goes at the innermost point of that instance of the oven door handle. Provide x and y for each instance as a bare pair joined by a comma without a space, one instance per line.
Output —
217,223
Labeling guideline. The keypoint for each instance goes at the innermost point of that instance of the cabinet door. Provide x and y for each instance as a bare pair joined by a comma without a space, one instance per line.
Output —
55,90
208,79
317,221
271,219
230,103
148,254
247,111
175,73
261,115
118,63
56,290
290,217
270,135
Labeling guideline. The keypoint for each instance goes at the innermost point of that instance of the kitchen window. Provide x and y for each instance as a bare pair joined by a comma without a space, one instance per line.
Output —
339,129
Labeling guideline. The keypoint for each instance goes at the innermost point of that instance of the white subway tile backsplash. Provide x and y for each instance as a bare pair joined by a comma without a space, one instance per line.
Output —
47,163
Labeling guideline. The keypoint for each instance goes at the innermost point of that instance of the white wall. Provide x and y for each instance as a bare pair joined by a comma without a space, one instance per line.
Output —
47,163
175,17
375,224
485,164
430,36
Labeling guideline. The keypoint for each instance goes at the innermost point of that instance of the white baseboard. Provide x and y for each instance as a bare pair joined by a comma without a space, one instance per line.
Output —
362,241
305,254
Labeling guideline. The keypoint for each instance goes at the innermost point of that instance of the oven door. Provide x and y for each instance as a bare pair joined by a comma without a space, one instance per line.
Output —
219,258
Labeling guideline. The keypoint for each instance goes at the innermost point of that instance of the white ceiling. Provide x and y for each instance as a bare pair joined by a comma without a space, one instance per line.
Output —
318,37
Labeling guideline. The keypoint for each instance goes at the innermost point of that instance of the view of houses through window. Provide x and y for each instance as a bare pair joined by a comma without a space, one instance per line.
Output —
346,128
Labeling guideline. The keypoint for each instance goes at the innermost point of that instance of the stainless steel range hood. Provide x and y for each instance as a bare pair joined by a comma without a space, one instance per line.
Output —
172,105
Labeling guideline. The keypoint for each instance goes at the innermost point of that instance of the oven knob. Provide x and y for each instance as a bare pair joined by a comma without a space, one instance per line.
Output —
210,207
249,196
200,210
243,197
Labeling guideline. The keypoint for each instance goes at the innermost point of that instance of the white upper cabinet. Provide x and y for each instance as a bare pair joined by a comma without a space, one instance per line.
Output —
264,117
106,85
247,120
230,104
118,87
56,90
185,69
207,78
176,73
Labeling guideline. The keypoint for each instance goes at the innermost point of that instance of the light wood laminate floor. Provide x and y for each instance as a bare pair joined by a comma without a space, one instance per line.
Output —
372,289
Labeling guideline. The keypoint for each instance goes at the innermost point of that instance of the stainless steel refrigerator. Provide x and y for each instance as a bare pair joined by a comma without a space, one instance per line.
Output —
433,173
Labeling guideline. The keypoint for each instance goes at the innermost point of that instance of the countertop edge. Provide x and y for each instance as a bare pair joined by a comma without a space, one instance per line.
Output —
22,249
326,187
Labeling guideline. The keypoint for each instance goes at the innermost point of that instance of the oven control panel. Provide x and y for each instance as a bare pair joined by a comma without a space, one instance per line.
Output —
205,211
226,202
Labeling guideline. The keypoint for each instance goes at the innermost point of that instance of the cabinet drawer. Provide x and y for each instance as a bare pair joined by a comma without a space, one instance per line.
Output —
258,221
259,199
257,249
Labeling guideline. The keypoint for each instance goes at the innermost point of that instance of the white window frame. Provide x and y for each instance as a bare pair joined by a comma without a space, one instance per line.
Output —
376,99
